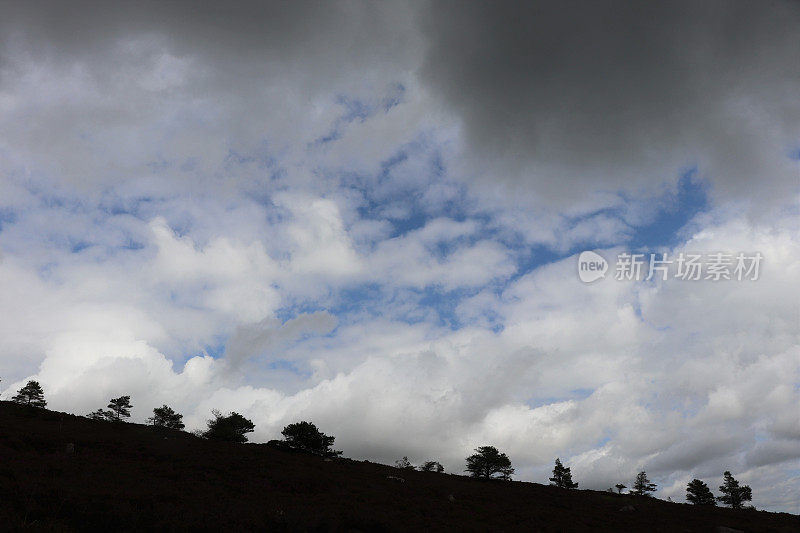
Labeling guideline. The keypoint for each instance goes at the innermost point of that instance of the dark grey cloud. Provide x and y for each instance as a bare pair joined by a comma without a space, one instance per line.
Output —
770,452
697,449
241,50
597,95
343,32
566,99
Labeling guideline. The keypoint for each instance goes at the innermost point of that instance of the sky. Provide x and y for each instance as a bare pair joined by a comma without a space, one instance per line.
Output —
369,215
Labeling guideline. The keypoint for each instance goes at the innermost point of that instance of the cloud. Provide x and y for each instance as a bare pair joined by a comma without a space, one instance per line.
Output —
320,243
367,215
117,92
253,339
235,280
440,253
584,372
566,100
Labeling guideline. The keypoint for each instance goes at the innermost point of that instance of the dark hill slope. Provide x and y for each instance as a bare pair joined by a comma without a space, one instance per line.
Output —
63,472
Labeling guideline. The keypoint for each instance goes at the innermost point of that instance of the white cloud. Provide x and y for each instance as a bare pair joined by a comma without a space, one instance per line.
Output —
320,244
427,392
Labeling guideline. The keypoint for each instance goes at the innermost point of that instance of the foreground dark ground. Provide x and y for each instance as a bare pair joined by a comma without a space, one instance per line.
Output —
133,477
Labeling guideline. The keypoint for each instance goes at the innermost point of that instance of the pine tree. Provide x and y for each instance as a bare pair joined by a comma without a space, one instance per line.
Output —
732,493
642,485
165,417
562,477
698,493
230,428
489,463
404,464
101,414
432,466
119,408
305,436
31,394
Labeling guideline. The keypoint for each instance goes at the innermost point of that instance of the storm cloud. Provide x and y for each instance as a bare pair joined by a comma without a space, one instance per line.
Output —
574,98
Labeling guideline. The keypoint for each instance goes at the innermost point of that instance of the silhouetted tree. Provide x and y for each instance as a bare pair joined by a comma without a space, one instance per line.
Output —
698,493
562,476
620,486
165,417
31,394
488,462
101,414
119,408
642,485
230,428
732,493
404,464
432,466
305,436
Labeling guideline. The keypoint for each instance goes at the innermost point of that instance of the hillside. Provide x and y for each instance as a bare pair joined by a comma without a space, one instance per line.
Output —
61,472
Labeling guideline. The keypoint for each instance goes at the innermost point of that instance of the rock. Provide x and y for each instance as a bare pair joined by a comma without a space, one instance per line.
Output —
395,478
628,508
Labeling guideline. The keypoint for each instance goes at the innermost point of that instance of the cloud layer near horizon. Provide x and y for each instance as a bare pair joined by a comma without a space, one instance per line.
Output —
367,215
